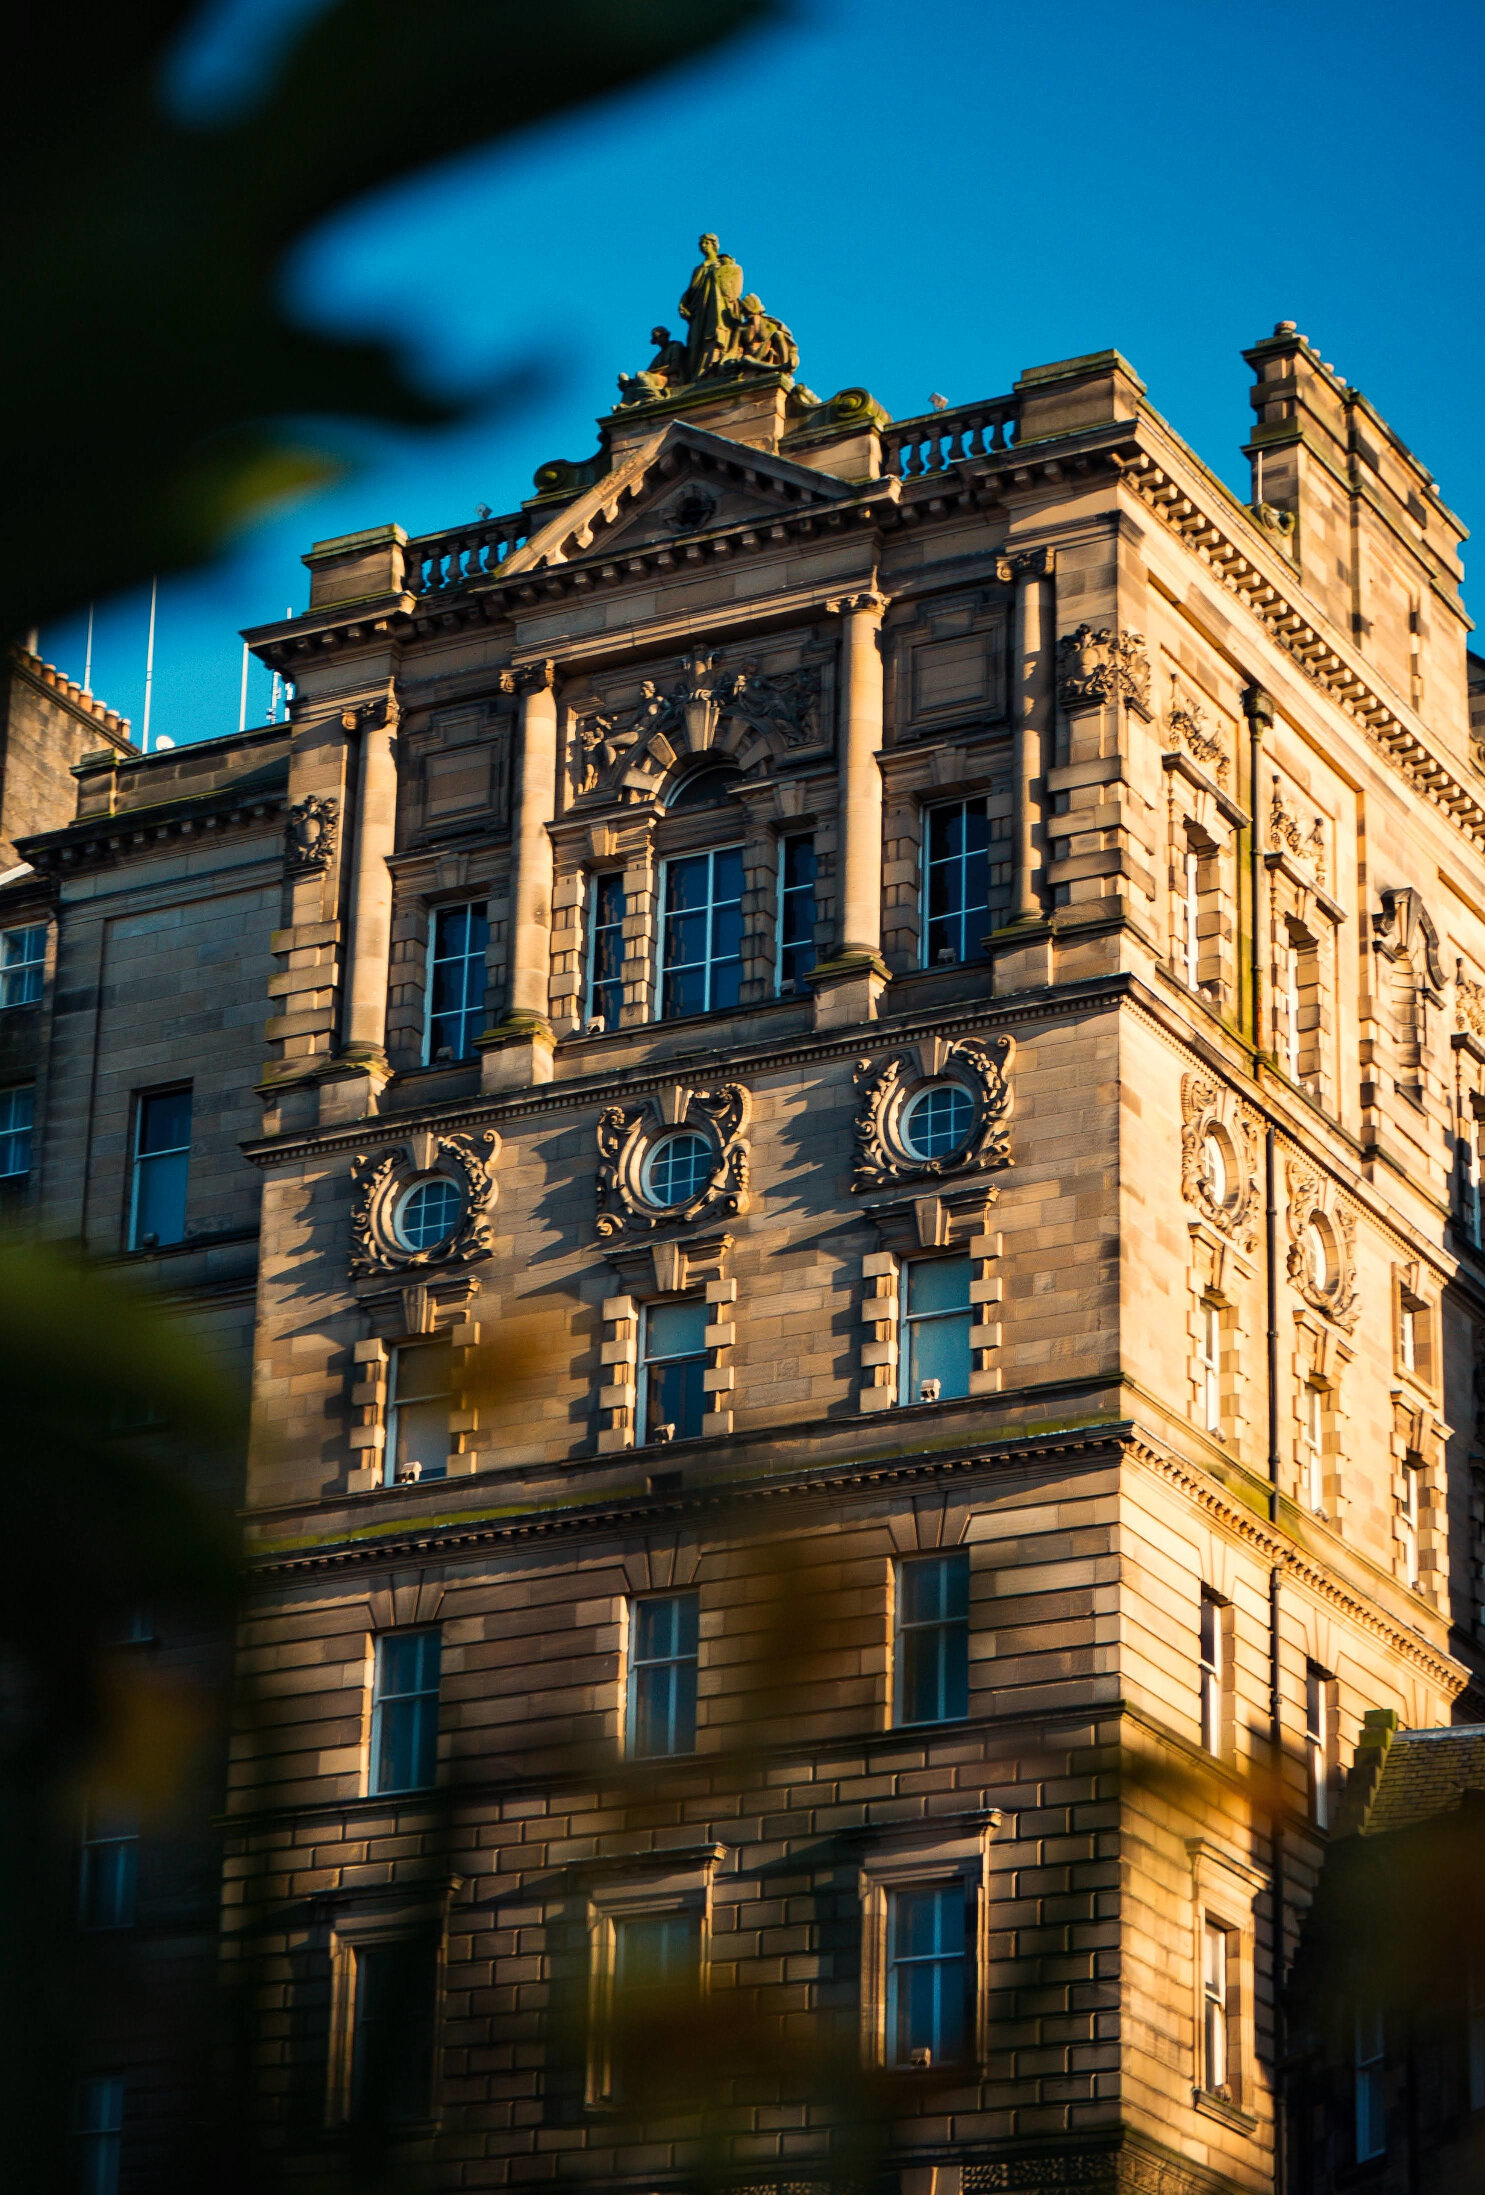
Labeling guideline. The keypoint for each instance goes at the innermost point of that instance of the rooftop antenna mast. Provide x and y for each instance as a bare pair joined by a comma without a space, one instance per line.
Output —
88,655
149,669
242,706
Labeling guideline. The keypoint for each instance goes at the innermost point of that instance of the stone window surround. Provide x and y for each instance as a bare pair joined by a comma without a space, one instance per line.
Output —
370,1926
638,840
1319,1359
1218,1274
422,883
954,1219
1224,1892
1203,815
403,1316
655,1273
643,1887
1302,914
964,766
1408,1294
920,1856
1417,1448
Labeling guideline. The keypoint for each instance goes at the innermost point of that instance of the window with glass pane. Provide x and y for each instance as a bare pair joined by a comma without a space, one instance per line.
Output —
162,1157
17,1115
672,1371
22,962
680,1168
931,1662
657,1972
606,950
927,1975
796,911
701,933
1214,2069
956,883
100,2127
1211,1671
392,2029
935,1330
404,1710
1371,2101
110,1869
456,981
419,1392
1317,1743
662,1675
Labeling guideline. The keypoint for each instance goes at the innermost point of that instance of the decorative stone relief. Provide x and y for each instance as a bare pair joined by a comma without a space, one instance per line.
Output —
1404,926
1186,726
309,834
628,1134
884,1154
1219,1159
1106,665
380,1179
1469,1006
1322,1247
1286,835
728,335
709,709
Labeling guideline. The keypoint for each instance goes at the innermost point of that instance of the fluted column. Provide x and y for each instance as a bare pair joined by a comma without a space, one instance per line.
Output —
370,945
849,984
519,1048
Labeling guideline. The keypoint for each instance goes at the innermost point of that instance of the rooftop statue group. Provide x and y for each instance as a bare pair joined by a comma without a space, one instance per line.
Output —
726,334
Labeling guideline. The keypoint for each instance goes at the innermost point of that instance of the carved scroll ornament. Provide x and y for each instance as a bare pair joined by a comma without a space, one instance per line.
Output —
1322,1247
1287,836
309,834
1103,665
1219,1159
379,1181
707,709
627,1134
883,1153
1186,726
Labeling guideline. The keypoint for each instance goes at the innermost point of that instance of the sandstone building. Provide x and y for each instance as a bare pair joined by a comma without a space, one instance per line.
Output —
861,1249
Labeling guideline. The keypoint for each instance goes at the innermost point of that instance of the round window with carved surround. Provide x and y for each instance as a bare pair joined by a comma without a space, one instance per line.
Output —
1320,1254
679,1168
428,1213
1216,1168
938,1120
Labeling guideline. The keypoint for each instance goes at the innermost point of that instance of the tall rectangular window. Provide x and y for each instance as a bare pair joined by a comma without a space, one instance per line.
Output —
797,870
1318,1743
933,1347
1211,1670
419,1393
657,1972
404,1710
1312,1446
456,982
17,1115
606,909
1468,1174
673,1354
22,962
1408,1521
109,1871
1215,2068
1290,971
392,2031
956,883
1475,2030
1209,1363
100,2133
1190,961
701,931
931,1649
1370,2087
162,1157
663,1644
928,1972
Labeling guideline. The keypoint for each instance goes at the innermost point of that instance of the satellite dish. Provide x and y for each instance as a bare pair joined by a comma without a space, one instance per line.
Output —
163,741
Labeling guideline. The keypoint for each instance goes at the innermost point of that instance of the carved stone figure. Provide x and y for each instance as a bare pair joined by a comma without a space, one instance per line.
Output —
309,833
1103,665
764,341
710,309
628,1133
883,1152
706,708
665,372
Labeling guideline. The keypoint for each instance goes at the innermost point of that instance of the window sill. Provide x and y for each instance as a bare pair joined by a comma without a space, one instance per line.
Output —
1217,2107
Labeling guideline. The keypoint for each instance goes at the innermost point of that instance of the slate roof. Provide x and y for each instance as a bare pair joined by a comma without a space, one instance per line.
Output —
1426,1773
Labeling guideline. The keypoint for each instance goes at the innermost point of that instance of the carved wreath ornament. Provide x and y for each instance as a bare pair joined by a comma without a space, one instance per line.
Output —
1106,665
1219,1160
632,1138
309,833
1322,1248
382,1183
887,1149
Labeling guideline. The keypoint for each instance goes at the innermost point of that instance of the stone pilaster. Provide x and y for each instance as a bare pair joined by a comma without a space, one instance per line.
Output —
849,984
1021,952
518,1050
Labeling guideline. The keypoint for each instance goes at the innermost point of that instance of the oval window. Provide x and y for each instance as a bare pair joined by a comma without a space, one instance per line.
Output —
938,1120
428,1213
1320,1253
679,1169
1214,1168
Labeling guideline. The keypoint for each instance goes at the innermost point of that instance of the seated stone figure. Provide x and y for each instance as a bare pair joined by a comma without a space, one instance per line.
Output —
765,341
665,373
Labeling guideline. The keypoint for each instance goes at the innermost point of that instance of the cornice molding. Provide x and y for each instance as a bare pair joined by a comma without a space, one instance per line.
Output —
96,841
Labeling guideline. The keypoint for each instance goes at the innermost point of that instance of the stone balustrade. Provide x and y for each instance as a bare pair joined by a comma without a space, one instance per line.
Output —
442,562
931,444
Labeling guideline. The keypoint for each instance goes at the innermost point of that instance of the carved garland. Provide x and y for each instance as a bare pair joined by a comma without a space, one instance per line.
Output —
1186,726
379,1179
1106,665
883,1155
1315,1216
628,1133
1208,1112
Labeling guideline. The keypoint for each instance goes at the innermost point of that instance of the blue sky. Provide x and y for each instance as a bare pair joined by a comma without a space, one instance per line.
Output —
933,198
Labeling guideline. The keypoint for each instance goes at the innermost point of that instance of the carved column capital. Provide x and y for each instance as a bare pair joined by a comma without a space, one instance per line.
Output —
1039,563
842,605
529,678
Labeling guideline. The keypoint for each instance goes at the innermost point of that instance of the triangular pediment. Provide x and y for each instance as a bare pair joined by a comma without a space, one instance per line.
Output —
680,483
